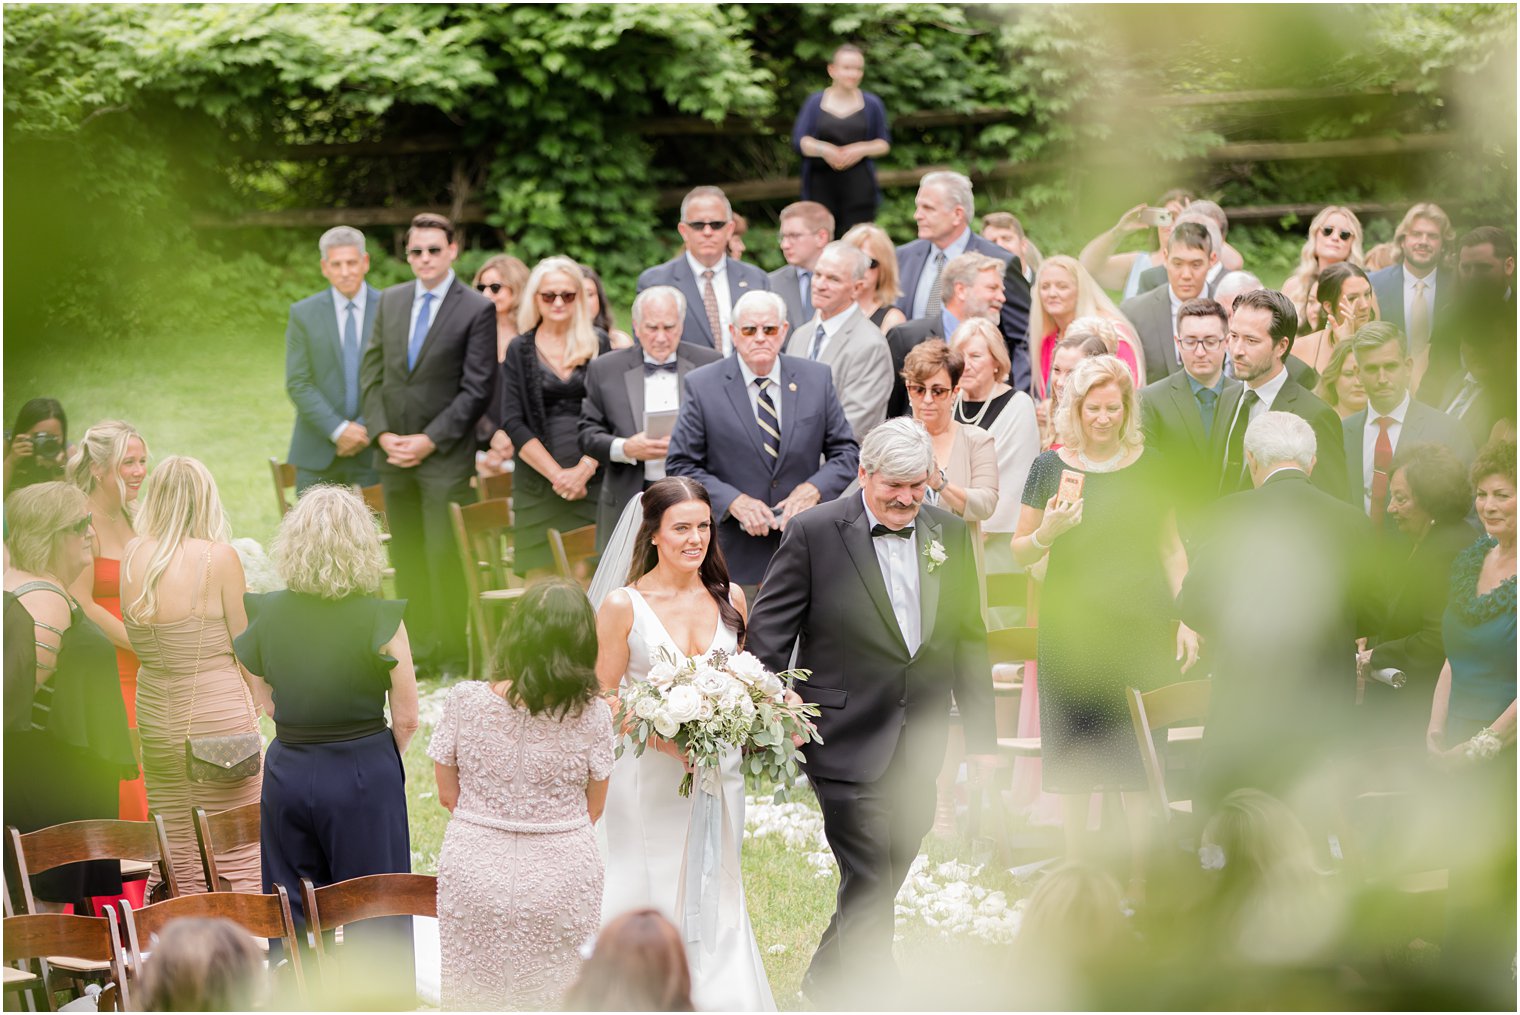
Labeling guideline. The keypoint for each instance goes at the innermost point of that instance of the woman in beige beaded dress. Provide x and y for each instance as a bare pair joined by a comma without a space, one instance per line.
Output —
182,585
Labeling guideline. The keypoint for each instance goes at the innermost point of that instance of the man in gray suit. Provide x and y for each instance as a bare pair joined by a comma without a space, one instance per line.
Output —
1190,256
1391,420
806,228
711,281
624,388
765,434
839,335
324,341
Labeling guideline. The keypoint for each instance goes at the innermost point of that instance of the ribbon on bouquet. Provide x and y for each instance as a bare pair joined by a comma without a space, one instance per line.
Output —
711,881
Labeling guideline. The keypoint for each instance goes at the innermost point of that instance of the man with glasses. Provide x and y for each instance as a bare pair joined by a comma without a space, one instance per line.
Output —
427,376
765,434
711,281
324,340
806,228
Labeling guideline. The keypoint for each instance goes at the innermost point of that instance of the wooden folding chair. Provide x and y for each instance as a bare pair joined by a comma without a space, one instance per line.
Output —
1006,648
266,916
1180,709
284,475
41,939
136,845
574,553
220,833
495,487
359,899
479,530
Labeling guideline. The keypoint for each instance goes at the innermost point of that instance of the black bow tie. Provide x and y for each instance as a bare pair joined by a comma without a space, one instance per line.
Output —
654,368
906,532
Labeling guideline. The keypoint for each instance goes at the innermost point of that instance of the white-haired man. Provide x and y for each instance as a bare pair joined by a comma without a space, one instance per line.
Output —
631,399
880,596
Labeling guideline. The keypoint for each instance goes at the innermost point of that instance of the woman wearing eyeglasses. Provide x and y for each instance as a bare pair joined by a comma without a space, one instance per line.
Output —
1335,235
543,384
501,280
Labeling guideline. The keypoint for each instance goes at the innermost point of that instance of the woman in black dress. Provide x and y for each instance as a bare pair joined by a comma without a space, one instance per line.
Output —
839,132
332,653
1107,619
543,384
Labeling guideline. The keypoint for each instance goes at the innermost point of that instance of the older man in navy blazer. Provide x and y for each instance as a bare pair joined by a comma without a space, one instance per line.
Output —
324,342
765,434
711,281
943,210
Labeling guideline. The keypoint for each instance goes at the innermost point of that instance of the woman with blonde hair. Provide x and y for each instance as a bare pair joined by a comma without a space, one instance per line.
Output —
333,653
1335,235
986,400
543,385
182,587
882,286
501,279
1340,385
1100,506
109,467
1064,293
201,964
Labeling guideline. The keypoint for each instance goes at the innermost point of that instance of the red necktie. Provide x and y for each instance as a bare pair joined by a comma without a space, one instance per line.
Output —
1382,465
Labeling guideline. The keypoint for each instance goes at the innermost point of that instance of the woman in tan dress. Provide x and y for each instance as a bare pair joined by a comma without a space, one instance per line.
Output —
182,585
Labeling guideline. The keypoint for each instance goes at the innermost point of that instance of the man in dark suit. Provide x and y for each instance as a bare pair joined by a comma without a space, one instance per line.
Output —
1391,420
879,595
427,375
1212,217
324,341
711,281
1180,414
1414,294
623,388
1473,379
973,287
1261,335
806,228
1190,256
943,210
754,429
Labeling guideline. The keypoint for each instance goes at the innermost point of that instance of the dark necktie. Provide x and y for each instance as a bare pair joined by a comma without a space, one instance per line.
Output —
879,530
350,362
669,366
1235,447
818,337
1207,397
1382,465
936,301
805,286
770,423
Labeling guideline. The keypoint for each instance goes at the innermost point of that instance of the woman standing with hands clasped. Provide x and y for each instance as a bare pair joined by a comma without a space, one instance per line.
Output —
839,131
1098,507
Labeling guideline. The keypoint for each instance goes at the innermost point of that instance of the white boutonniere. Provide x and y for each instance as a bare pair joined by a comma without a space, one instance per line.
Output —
935,554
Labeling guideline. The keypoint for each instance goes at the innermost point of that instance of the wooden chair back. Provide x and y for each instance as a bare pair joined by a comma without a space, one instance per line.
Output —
220,833
495,487
481,532
284,475
574,553
364,898
266,916
33,937
1186,701
78,841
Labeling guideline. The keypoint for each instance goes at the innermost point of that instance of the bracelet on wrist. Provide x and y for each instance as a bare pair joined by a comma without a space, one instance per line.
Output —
1034,540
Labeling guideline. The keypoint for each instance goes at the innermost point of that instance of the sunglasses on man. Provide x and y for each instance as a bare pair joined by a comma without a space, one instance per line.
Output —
419,251
710,226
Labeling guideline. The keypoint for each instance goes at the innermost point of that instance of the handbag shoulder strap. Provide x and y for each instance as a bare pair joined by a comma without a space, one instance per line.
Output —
200,638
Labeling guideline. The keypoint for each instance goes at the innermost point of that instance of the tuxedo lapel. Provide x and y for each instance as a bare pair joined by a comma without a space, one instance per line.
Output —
855,532
633,380
744,414
928,581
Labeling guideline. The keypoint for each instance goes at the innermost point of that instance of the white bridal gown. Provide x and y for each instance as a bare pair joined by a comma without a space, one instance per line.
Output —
646,822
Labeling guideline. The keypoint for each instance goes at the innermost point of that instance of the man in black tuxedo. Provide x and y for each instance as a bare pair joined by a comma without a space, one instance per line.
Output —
324,341
623,387
1261,336
1190,256
973,287
943,210
806,228
711,281
880,596
427,376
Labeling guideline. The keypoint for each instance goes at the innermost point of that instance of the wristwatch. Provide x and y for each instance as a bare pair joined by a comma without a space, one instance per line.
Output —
942,481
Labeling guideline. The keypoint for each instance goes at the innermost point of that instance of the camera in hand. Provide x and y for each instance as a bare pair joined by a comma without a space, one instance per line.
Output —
47,445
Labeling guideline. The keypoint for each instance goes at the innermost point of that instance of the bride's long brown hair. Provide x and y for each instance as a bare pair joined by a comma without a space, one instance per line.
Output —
662,495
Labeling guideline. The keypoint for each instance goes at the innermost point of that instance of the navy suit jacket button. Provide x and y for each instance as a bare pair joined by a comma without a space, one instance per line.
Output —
902,702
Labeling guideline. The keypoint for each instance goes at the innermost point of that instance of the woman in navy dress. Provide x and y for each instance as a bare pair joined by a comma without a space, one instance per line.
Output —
839,132
332,653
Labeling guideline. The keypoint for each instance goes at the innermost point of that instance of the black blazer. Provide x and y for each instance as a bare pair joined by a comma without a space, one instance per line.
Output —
900,341
522,392
1171,422
824,592
614,407
1330,449
447,391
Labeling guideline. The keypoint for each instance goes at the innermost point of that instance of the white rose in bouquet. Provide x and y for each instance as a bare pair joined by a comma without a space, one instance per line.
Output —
664,725
662,673
682,704
646,707
707,711
771,685
710,682
746,707
731,694
746,667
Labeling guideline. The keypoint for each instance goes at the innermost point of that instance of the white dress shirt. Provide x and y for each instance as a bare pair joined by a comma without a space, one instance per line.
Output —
1369,442
661,393
926,277
723,343
438,292
340,305
753,393
1265,395
831,328
899,569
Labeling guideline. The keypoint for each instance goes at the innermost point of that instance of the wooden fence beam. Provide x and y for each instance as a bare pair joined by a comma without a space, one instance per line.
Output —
311,218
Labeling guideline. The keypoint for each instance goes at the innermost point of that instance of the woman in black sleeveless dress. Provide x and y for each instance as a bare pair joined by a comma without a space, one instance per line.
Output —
839,132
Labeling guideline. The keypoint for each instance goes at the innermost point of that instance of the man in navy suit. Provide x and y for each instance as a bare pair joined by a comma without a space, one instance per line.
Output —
943,210
1413,295
711,281
323,344
765,434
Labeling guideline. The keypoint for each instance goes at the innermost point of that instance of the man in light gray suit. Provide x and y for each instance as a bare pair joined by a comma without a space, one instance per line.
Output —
623,388
806,228
711,281
1190,256
839,335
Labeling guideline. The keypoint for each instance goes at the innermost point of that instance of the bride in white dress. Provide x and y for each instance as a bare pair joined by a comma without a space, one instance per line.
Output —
680,600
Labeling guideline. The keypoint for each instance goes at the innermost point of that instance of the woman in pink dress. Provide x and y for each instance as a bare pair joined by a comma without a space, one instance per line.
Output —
1064,293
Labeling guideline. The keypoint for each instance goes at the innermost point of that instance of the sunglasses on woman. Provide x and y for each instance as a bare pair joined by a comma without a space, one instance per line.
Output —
80,527
493,287
549,299
1346,234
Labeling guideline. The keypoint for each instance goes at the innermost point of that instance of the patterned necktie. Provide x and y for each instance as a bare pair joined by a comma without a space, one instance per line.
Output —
936,301
710,304
1235,446
770,423
818,337
1419,320
350,362
1207,397
419,331
1382,465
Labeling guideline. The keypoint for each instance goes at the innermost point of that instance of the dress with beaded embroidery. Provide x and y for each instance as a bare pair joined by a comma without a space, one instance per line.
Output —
519,875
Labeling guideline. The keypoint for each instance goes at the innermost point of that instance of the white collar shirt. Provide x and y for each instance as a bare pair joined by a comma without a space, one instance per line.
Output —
753,393
724,343
1369,442
831,327
899,569
662,392
1268,393
438,291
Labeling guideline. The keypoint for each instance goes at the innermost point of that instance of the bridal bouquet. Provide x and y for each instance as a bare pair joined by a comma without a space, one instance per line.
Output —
715,703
